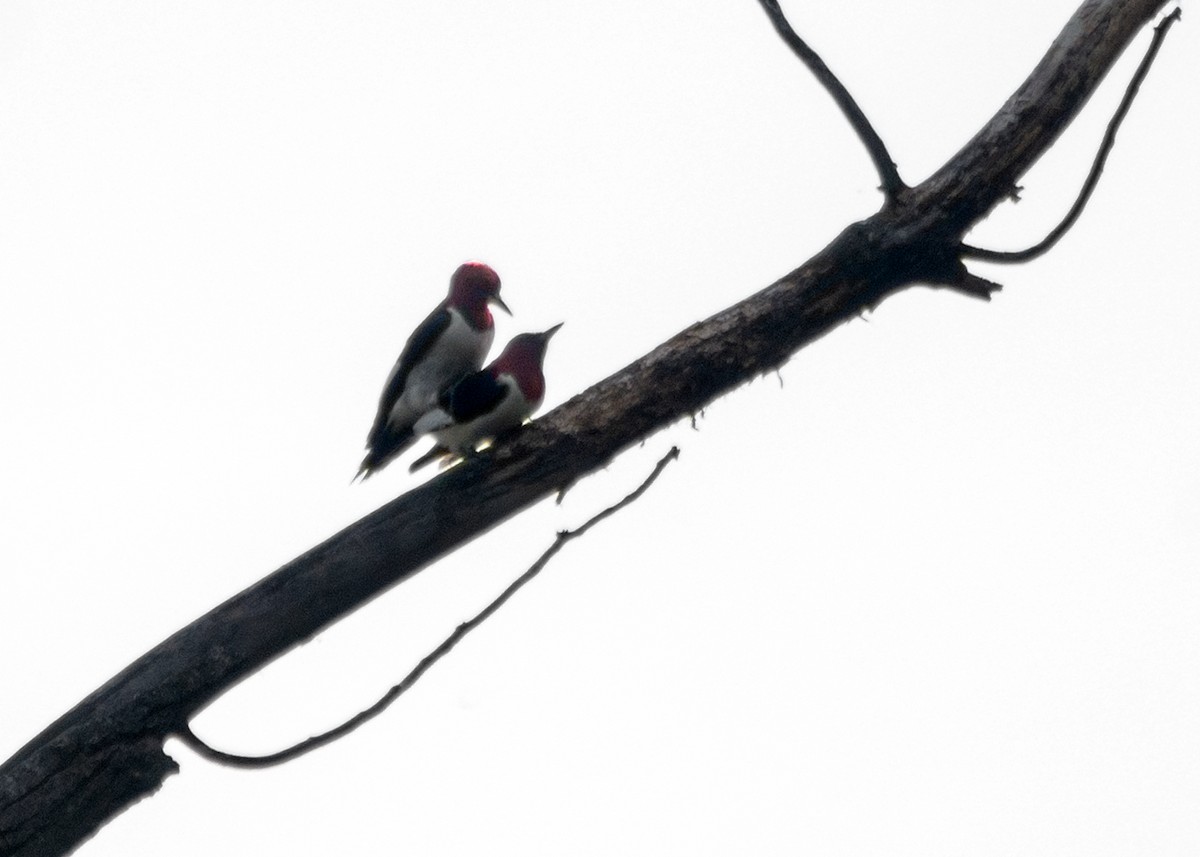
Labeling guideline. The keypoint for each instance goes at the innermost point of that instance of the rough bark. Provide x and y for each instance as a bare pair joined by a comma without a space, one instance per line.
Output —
106,753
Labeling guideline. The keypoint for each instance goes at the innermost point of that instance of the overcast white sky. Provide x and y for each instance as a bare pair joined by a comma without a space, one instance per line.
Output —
937,594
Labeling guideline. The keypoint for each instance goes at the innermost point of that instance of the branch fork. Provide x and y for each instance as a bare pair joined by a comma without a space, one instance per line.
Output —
106,753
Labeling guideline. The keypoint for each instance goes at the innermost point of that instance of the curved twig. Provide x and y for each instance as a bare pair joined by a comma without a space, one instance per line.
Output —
106,752
889,178
1093,177
190,738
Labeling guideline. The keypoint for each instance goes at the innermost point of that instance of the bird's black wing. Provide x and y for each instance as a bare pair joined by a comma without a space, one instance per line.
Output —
415,348
473,396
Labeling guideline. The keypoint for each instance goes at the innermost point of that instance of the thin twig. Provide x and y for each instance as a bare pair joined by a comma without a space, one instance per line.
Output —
889,178
106,752
1093,178
192,740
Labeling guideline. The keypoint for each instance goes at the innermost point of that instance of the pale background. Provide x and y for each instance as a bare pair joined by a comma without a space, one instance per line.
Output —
937,594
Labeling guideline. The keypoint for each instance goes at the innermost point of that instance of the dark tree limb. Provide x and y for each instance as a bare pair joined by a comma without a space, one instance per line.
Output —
889,177
107,752
1093,177
444,648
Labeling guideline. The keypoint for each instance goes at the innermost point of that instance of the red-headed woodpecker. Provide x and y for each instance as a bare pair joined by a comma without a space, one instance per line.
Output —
489,402
446,346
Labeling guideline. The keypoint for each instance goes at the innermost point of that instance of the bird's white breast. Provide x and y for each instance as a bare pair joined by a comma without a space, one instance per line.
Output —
509,413
458,351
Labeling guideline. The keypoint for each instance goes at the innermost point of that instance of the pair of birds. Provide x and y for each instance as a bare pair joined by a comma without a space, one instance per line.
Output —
437,386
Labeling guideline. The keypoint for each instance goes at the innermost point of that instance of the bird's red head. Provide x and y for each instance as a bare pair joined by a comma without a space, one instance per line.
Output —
522,358
473,286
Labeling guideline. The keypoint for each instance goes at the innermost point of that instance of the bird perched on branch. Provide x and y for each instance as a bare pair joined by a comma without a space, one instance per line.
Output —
489,402
446,346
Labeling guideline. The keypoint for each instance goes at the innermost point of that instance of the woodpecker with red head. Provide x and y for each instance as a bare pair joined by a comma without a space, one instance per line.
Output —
490,402
451,343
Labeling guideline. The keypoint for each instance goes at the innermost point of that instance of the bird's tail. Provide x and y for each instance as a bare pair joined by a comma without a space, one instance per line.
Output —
381,452
433,454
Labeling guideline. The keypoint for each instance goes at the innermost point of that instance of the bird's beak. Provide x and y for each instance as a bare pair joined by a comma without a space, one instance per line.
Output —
552,331
500,303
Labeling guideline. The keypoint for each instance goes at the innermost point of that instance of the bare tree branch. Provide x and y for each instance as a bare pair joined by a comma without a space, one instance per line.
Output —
1093,177
107,752
889,178
238,761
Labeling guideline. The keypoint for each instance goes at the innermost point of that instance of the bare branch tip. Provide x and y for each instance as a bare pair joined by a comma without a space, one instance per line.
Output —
966,251
563,491
889,177
977,287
